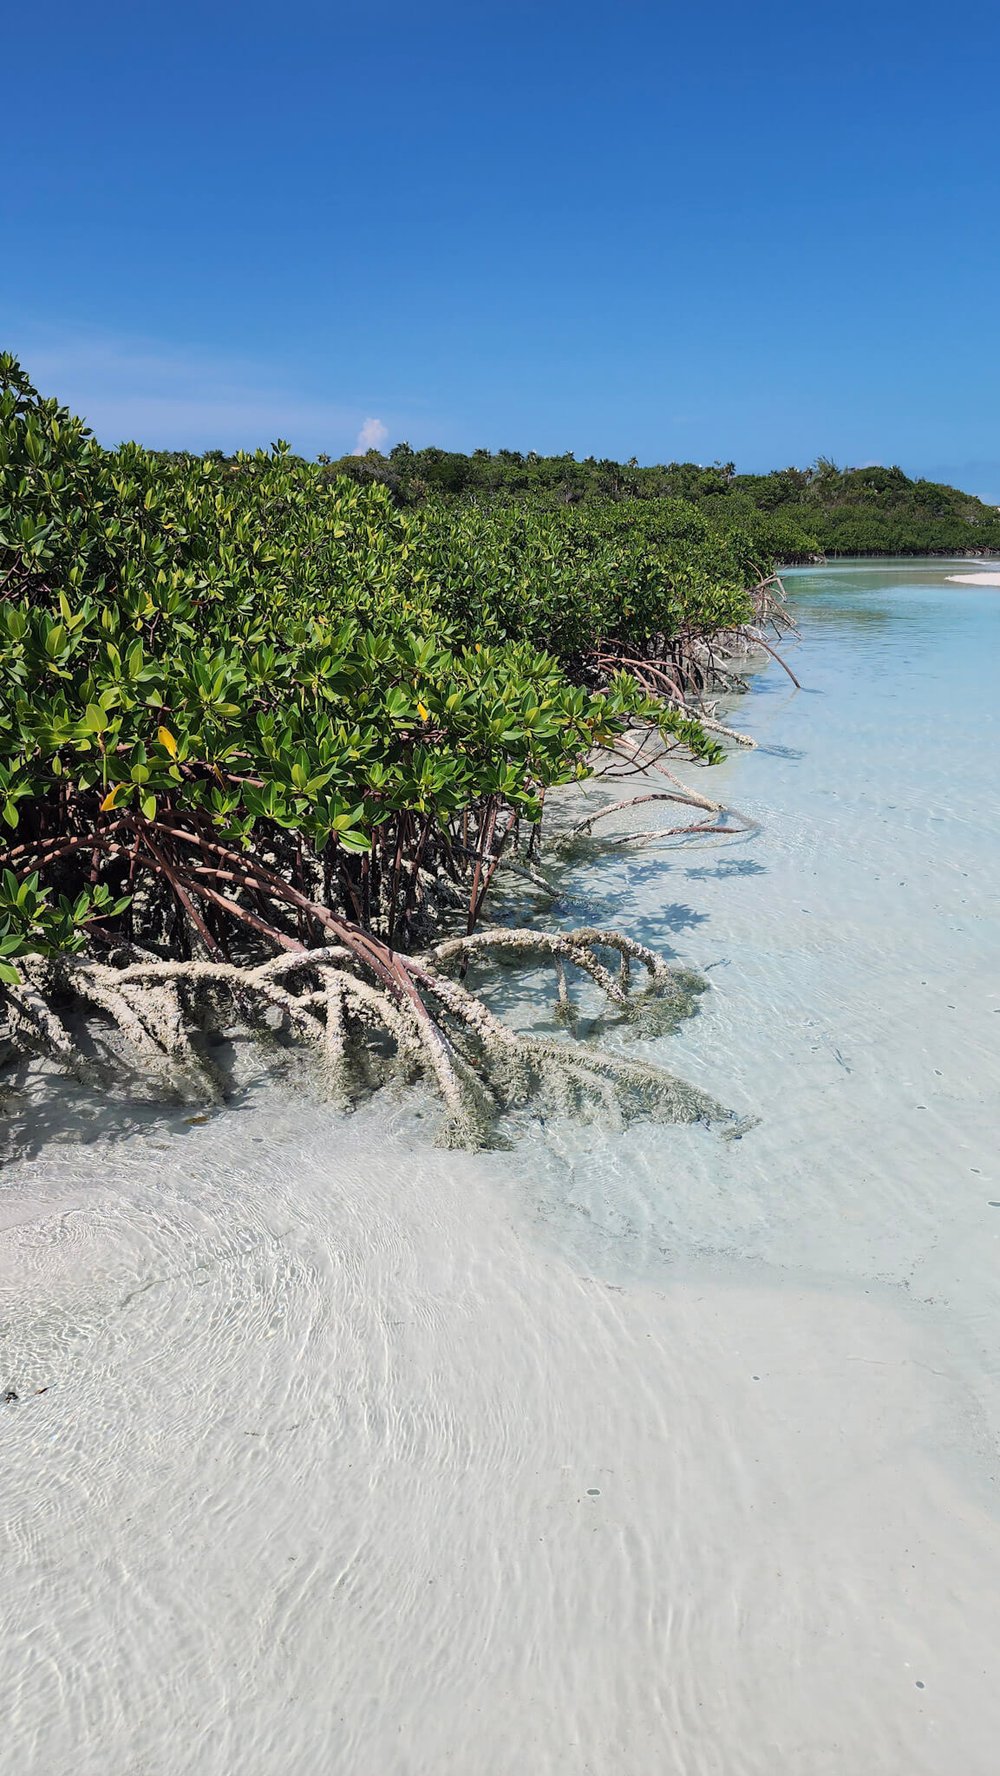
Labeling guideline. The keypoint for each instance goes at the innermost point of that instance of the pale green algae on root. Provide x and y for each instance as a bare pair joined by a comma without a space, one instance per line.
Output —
152,1024
565,1077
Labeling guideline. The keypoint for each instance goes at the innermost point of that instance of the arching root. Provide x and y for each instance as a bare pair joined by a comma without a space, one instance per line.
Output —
661,795
152,1021
576,948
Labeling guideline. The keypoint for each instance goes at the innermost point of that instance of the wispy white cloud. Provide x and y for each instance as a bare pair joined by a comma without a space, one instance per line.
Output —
188,400
372,436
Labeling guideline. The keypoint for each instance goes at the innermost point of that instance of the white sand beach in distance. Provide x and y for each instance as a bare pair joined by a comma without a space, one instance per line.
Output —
992,579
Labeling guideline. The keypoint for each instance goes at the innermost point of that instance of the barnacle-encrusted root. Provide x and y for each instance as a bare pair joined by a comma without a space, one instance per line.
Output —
163,1014
575,947
33,1028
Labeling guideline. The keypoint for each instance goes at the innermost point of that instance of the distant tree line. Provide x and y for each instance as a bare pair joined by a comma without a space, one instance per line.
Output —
819,510
790,514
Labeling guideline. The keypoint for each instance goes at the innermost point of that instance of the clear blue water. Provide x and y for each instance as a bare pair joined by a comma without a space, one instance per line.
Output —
853,943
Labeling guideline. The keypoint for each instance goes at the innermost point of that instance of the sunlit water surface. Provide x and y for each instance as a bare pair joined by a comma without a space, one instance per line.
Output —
310,1417
853,943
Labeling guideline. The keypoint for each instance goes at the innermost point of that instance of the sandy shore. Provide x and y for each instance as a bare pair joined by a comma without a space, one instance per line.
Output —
976,579
340,1469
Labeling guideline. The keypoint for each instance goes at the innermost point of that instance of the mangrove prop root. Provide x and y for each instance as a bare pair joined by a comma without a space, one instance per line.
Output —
714,726
730,825
634,756
706,829
576,947
766,645
662,795
162,1013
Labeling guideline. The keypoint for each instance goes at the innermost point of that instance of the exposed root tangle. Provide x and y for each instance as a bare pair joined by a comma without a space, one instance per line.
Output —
157,1017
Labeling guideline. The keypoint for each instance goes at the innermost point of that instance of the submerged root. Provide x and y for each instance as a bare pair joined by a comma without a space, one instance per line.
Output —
660,795
731,825
636,1088
713,726
153,1022
577,948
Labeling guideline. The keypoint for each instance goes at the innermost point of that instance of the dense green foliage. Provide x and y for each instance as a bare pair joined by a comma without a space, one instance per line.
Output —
575,579
788,515
871,511
204,661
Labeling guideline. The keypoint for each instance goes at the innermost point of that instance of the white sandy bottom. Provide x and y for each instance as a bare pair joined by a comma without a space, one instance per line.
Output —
339,1470
987,579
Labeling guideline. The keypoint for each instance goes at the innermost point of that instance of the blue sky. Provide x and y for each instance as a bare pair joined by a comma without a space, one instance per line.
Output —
760,233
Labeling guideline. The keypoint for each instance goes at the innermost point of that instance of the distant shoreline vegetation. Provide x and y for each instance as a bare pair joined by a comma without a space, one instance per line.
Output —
797,514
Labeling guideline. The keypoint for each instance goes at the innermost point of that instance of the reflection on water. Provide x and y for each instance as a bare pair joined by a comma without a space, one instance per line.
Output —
726,867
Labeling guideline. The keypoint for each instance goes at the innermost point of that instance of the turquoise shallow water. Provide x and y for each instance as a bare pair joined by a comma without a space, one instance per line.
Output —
619,1452
853,942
